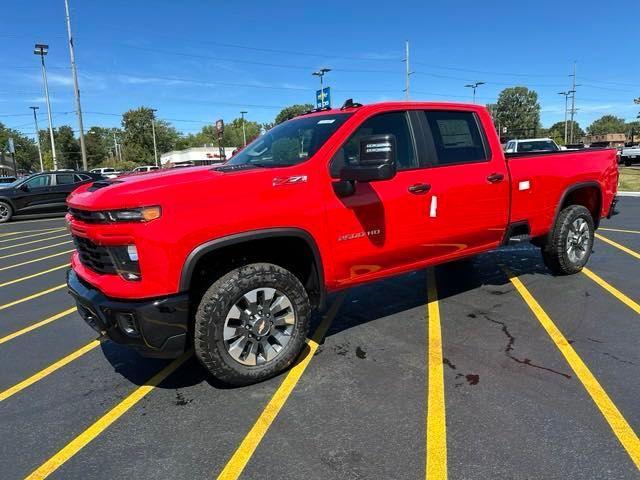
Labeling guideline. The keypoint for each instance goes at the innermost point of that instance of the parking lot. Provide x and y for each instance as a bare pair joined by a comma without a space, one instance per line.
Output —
489,368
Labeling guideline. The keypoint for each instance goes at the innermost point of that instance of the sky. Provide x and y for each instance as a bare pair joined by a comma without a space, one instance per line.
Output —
197,60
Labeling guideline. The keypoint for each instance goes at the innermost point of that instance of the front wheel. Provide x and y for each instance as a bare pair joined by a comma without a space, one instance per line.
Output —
251,323
571,241
6,212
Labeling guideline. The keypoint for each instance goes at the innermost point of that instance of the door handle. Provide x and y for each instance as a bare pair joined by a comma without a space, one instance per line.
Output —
495,177
419,188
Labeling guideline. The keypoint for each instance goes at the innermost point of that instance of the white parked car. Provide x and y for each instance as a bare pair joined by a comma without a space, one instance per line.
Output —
107,172
146,168
528,145
630,155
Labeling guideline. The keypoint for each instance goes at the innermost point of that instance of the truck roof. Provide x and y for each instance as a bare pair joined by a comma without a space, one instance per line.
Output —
395,105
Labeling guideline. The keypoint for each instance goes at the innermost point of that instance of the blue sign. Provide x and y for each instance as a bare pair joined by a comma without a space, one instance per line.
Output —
323,97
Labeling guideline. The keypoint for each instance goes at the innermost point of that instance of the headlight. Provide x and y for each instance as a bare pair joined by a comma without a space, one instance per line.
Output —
125,259
143,214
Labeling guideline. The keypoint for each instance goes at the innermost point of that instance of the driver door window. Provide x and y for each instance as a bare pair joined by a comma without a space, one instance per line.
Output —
395,123
39,181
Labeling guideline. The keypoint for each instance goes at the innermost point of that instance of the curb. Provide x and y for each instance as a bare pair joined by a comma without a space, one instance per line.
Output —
628,194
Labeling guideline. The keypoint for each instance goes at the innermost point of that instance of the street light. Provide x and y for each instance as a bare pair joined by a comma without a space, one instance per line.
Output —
35,119
244,133
474,86
153,131
42,50
320,73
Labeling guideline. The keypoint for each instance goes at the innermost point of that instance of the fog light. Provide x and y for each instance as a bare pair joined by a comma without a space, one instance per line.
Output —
127,323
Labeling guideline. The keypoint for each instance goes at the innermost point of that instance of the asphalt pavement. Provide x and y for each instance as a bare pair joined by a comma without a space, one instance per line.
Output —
482,369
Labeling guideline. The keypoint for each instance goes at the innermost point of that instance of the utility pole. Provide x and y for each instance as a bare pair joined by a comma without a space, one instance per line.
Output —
566,100
474,86
76,89
244,133
116,149
573,98
42,50
153,130
407,69
35,119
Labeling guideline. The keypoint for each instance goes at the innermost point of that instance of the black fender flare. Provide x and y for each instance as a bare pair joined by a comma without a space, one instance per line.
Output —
573,188
237,238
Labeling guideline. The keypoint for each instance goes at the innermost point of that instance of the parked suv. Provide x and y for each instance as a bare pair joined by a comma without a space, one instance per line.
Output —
231,260
44,192
107,172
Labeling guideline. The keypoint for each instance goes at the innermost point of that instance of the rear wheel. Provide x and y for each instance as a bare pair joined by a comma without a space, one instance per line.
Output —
6,212
571,241
251,323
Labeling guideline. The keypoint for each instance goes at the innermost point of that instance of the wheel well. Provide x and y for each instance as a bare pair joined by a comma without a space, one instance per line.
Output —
588,196
291,252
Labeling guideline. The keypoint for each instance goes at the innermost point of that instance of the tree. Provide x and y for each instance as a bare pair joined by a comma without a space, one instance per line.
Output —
26,150
518,110
232,136
67,148
556,131
607,124
632,129
138,136
291,111
100,145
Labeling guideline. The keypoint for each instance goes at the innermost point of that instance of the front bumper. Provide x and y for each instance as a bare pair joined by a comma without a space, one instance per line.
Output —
155,327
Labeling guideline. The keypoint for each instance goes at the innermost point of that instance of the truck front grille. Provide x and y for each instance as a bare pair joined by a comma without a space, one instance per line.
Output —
94,256
87,216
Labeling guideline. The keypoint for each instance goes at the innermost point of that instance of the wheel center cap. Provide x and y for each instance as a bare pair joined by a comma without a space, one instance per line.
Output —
261,326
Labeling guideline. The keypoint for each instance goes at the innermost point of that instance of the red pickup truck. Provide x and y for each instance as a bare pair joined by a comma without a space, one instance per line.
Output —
232,260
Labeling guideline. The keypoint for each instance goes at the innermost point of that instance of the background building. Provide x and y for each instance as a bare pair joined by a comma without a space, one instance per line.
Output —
608,139
206,155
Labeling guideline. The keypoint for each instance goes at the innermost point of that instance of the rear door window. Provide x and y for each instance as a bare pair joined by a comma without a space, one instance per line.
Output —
456,137
65,179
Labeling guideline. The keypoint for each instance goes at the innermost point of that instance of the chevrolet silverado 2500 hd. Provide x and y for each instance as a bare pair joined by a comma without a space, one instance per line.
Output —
232,260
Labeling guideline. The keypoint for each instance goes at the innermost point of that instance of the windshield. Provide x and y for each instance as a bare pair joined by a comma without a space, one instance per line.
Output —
537,146
291,142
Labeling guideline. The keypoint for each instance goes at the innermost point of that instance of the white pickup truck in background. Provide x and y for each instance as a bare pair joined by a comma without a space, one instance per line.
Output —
528,145
630,155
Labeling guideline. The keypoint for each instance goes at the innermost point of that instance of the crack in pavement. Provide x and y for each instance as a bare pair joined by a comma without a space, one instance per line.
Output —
509,348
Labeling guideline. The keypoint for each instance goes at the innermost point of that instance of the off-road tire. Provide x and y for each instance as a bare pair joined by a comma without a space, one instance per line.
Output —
554,252
215,305
7,206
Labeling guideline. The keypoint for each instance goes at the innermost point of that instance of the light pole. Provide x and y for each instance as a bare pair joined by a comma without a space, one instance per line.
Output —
42,50
474,86
35,119
244,133
153,131
320,73
76,89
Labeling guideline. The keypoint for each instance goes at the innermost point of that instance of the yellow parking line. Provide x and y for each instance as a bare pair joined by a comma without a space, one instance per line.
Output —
612,415
19,232
436,466
612,290
82,440
48,371
33,275
31,236
31,297
34,250
242,455
35,260
621,230
39,324
618,246
33,241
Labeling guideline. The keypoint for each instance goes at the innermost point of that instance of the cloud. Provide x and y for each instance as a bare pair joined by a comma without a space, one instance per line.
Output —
59,79
135,80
